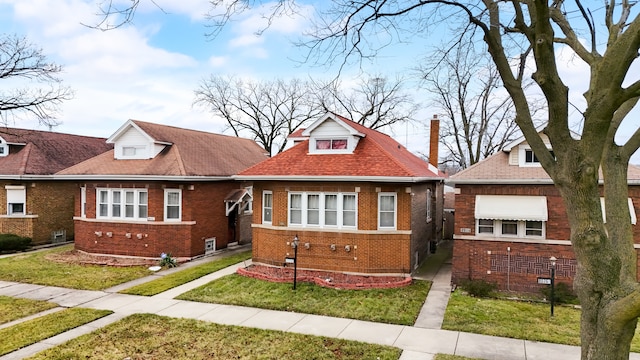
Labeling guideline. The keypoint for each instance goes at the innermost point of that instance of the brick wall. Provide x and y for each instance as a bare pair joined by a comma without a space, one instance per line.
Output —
371,251
203,216
51,203
368,253
519,268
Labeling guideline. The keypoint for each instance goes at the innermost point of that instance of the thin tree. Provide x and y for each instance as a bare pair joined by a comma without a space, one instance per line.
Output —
535,31
267,111
478,117
32,86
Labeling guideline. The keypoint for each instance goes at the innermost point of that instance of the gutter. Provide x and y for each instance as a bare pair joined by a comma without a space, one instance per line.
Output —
325,178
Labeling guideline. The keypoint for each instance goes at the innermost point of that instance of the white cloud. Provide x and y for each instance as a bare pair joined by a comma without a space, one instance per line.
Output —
218,61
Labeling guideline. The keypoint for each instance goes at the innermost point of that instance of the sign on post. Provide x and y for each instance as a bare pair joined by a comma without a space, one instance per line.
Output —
544,281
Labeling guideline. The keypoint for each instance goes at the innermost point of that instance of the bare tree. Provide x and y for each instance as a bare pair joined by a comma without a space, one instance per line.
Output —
374,102
478,119
43,94
267,111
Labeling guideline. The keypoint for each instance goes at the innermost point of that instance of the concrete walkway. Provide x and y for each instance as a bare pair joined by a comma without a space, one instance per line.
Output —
421,341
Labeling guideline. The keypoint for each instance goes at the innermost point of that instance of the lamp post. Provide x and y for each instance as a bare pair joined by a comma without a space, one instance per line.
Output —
553,280
294,245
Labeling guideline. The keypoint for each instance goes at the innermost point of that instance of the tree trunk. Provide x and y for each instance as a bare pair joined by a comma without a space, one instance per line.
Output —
606,274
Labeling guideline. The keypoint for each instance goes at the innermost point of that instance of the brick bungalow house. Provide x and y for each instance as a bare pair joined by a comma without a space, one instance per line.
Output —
510,219
32,203
356,199
162,189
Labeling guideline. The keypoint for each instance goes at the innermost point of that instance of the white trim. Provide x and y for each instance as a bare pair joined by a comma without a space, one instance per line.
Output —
338,178
513,239
131,221
166,204
315,124
333,230
83,201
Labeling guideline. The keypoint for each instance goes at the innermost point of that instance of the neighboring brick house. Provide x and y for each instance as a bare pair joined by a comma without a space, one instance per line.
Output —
163,189
510,220
32,203
356,199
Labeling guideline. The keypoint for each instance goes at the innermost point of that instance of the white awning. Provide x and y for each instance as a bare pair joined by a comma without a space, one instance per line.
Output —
511,207
632,211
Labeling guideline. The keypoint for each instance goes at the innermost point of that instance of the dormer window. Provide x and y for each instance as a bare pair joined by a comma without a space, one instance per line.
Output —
528,157
331,144
4,148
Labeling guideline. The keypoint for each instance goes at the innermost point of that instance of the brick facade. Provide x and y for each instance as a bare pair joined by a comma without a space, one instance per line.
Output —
203,217
516,265
365,250
49,207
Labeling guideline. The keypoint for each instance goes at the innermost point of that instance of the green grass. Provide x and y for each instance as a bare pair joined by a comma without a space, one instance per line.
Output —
146,336
452,357
34,268
170,281
515,319
13,309
395,306
32,331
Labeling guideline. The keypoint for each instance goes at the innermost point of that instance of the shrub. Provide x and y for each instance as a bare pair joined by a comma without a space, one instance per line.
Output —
479,288
13,242
167,260
562,294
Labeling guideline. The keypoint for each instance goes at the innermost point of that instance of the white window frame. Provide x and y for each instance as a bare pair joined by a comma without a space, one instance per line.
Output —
16,195
322,210
266,193
83,201
168,192
110,205
395,210
521,229
139,151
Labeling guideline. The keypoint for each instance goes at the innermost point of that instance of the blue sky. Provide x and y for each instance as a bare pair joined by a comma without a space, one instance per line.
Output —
149,70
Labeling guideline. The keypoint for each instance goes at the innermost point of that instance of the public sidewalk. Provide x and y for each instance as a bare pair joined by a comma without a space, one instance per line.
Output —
421,341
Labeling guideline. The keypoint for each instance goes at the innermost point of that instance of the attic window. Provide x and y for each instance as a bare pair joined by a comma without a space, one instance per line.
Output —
4,149
331,144
131,151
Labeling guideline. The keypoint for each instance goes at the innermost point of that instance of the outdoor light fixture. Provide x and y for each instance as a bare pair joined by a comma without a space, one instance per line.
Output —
294,245
553,280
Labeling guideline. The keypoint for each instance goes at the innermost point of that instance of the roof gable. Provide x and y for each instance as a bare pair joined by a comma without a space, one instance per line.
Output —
182,153
376,156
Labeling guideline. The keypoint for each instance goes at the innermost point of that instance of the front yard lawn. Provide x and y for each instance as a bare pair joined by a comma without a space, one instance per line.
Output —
34,330
34,268
170,281
516,319
146,336
13,309
394,306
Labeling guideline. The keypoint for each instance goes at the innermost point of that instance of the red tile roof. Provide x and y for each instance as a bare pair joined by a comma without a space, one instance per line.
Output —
376,155
191,153
46,152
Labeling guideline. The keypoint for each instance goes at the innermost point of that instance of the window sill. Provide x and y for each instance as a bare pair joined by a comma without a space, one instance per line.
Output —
18,216
133,221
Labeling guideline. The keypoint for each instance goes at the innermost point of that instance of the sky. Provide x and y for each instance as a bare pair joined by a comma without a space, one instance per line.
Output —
149,70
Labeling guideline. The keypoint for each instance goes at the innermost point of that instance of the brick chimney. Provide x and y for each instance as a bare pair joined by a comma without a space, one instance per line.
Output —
434,137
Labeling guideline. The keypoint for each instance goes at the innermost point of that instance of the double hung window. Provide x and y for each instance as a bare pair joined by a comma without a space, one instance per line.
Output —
16,199
267,206
172,204
319,209
387,210
120,204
